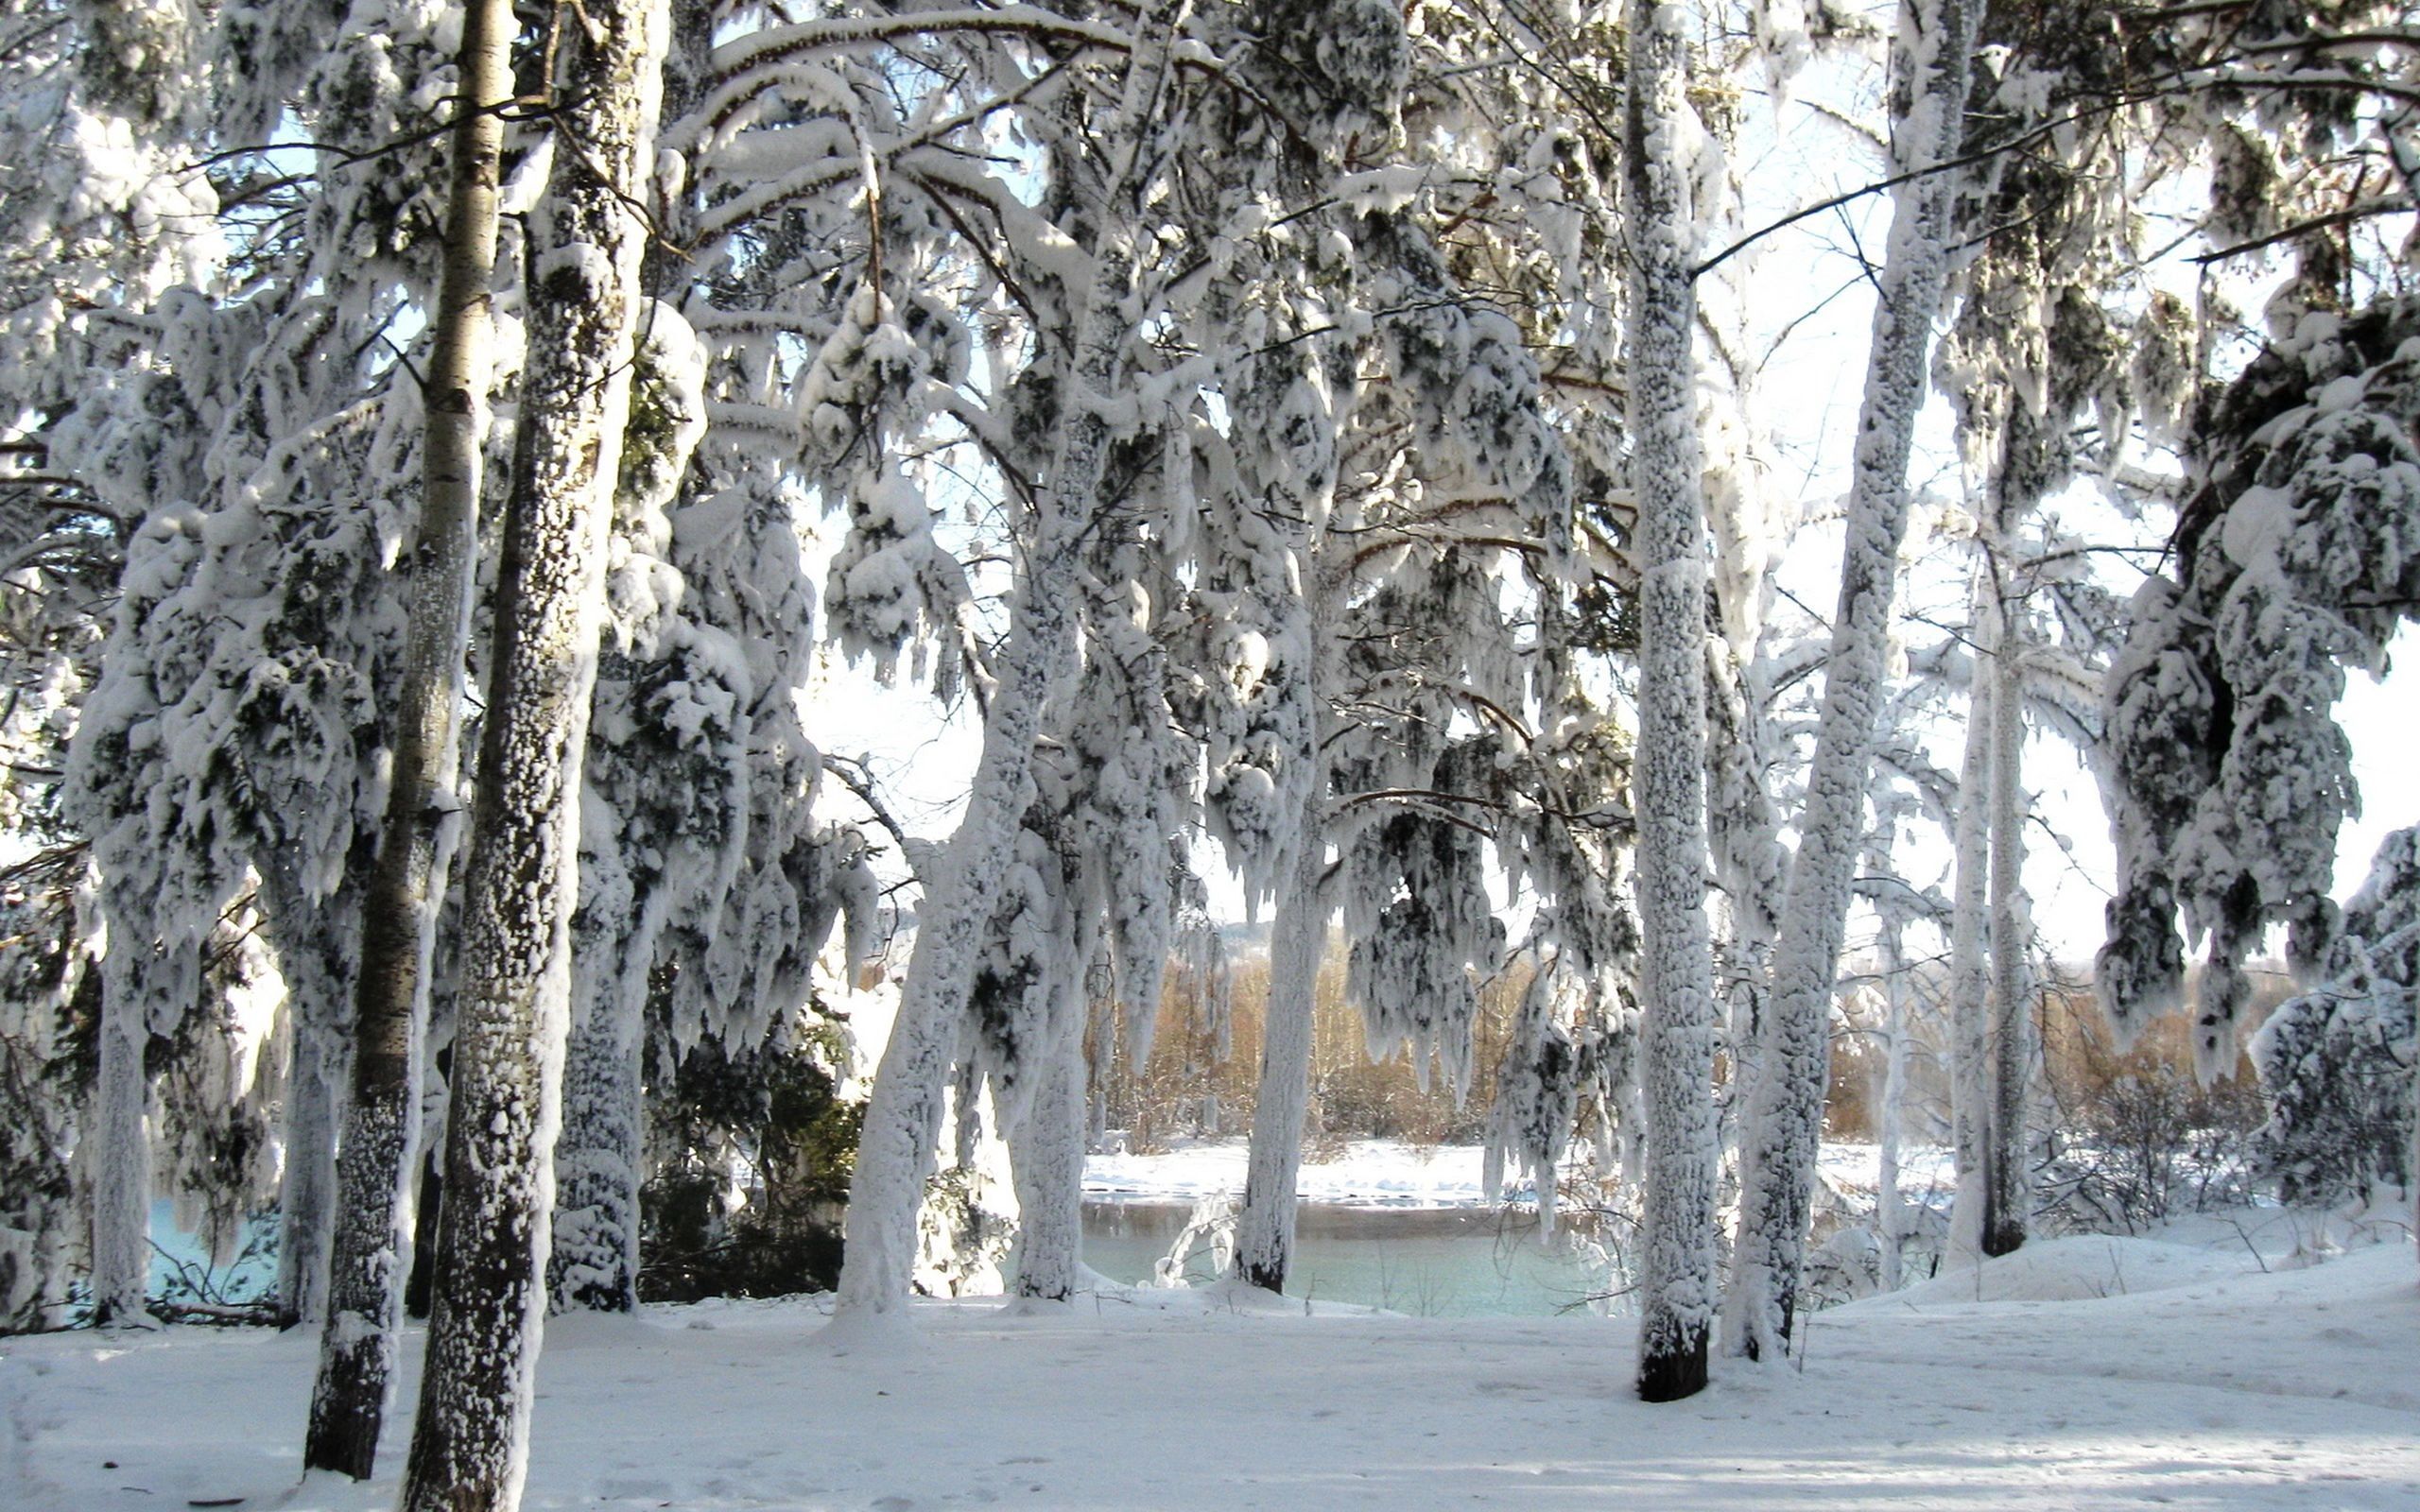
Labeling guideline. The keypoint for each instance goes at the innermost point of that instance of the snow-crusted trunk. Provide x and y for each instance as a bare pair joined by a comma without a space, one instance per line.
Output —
1892,1217
376,1153
319,973
1969,966
307,1185
1786,1119
629,897
121,1168
903,1116
1746,841
593,1261
1298,934
1676,1276
470,1439
2008,1198
1046,1152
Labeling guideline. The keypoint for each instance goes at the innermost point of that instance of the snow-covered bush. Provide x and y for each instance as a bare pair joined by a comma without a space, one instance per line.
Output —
2132,1136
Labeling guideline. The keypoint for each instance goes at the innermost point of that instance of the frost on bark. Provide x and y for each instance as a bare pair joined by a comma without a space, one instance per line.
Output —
1969,949
2008,1197
1785,1123
1676,1273
903,1116
1046,1154
121,1161
375,1161
594,1258
471,1435
318,973
1264,1224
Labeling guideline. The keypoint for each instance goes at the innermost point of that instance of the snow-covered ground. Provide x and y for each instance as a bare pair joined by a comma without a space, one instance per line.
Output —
2219,1387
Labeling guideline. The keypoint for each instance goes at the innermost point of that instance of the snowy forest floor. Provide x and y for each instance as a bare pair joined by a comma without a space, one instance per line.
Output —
2172,1377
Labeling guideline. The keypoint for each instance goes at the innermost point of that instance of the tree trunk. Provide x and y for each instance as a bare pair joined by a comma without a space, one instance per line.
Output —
903,1115
122,1173
318,973
1265,1226
1892,1214
594,1262
305,1191
2008,1201
1047,1150
1969,965
470,1440
1676,1276
376,1155
1787,1116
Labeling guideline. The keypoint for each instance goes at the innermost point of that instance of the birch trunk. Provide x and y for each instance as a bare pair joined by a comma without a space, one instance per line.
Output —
903,1116
470,1439
1787,1114
377,1150
1676,1279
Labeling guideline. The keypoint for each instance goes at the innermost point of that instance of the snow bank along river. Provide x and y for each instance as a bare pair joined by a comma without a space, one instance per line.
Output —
1382,1224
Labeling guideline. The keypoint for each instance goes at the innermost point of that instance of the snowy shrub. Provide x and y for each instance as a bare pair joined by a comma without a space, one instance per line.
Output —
2130,1135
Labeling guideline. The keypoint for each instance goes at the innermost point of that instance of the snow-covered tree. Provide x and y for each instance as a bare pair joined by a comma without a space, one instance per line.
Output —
376,1161
2292,563
1935,50
103,231
62,559
903,1114
1676,1276
2336,1064
470,1436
